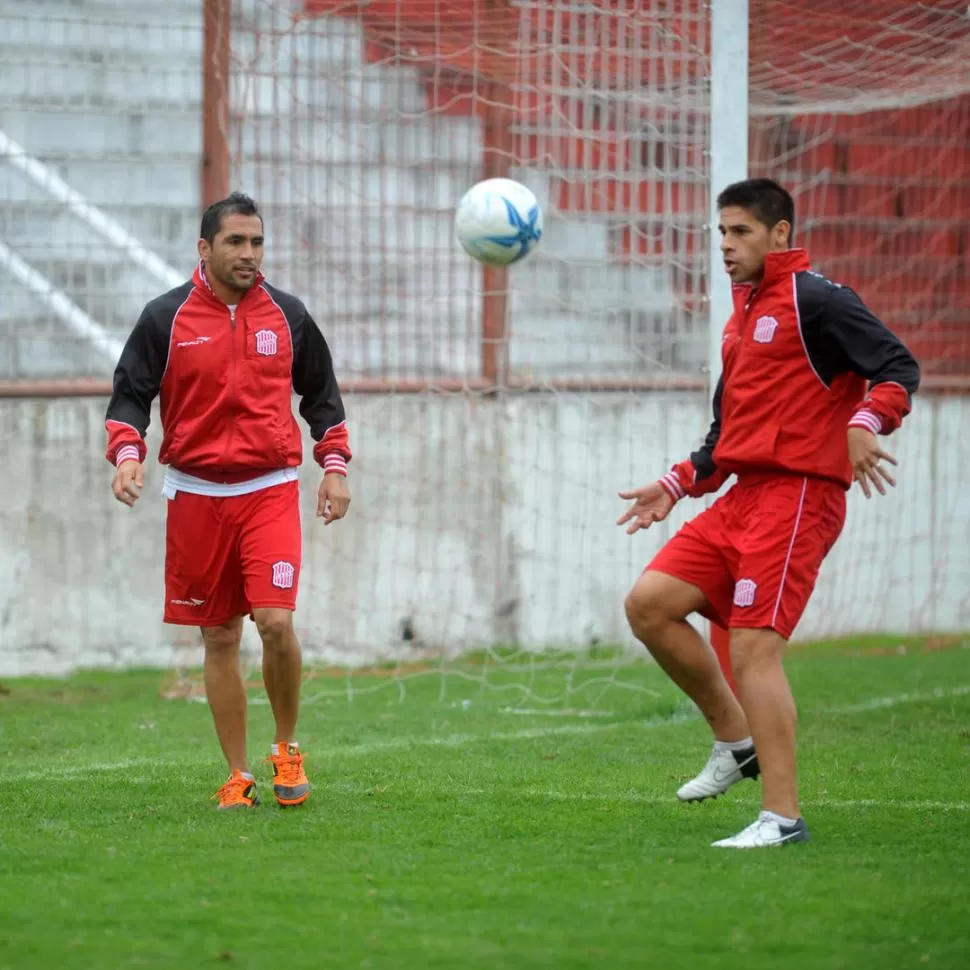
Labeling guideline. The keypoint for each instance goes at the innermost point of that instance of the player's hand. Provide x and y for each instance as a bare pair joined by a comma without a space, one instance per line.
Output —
650,504
128,482
333,499
865,455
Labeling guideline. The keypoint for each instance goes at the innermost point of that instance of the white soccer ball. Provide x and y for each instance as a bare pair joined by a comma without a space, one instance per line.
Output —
498,222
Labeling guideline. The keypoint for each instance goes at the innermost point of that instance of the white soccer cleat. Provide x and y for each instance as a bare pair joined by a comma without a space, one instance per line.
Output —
723,769
766,831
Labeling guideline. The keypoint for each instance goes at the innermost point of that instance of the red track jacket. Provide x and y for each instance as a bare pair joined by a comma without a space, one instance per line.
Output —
226,379
803,360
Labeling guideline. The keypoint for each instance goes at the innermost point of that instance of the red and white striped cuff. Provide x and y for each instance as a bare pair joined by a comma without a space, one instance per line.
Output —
671,485
334,463
127,453
866,419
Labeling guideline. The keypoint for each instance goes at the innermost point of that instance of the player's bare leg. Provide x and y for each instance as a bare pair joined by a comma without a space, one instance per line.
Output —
282,668
767,699
657,609
225,690
226,694
282,676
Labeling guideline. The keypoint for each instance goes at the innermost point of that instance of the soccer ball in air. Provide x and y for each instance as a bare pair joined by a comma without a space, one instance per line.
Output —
498,222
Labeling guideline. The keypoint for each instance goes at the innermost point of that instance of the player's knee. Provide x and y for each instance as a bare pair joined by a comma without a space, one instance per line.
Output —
753,650
222,639
646,611
275,626
658,600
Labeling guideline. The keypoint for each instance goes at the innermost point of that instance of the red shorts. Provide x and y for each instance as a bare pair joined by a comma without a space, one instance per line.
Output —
756,552
225,557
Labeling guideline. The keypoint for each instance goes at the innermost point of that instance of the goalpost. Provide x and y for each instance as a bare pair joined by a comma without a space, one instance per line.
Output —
626,119
494,417
729,163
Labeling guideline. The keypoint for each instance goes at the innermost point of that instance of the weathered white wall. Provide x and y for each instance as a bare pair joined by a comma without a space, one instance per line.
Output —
474,522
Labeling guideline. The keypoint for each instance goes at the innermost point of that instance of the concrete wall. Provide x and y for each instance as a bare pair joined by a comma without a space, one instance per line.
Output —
474,522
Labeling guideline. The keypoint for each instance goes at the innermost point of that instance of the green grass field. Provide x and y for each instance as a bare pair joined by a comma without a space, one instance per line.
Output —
446,831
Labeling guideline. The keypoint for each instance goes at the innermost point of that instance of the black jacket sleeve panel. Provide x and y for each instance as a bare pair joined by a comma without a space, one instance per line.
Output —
703,458
866,346
314,380
321,405
138,374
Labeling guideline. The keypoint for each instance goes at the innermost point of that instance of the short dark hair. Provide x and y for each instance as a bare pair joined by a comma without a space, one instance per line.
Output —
764,198
237,204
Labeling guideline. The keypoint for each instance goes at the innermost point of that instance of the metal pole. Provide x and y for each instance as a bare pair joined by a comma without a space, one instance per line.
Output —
729,150
497,161
215,101
729,163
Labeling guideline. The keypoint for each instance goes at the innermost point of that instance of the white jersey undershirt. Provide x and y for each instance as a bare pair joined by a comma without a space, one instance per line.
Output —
176,481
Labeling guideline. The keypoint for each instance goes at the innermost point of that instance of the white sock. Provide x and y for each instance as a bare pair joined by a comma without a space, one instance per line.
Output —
780,819
247,775
275,748
741,745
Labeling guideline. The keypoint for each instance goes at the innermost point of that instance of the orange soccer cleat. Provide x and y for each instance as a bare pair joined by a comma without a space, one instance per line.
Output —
238,792
290,784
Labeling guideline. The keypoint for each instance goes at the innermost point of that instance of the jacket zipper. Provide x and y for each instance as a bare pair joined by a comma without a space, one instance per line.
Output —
232,381
747,312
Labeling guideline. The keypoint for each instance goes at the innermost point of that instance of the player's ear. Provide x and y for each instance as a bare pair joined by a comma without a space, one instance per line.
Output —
203,249
781,234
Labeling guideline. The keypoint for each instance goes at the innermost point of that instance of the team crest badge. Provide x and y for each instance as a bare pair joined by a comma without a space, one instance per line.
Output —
266,343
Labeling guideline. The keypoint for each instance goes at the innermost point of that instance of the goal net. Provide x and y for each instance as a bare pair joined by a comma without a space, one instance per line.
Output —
485,516
495,417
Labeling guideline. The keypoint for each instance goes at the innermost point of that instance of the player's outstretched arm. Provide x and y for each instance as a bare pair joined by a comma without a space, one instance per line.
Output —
650,504
322,408
872,351
699,475
694,477
136,382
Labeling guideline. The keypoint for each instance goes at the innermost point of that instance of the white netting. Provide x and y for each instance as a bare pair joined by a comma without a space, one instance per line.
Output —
867,118
863,110
480,518
857,57
371,120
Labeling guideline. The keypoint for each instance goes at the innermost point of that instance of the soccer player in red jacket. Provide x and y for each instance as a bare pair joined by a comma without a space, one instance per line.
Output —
224,353
810,378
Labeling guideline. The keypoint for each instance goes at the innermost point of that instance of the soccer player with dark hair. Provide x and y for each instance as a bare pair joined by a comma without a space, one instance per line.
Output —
224,353
810,378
